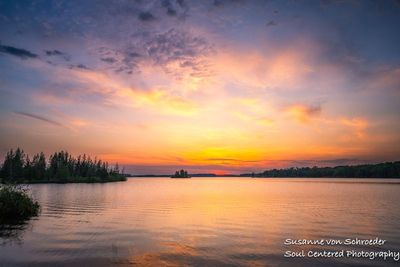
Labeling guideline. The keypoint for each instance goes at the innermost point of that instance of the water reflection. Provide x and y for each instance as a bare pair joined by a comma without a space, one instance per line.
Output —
202,222
12,233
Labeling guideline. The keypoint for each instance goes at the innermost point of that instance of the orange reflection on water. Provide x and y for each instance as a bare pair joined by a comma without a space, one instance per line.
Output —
202,221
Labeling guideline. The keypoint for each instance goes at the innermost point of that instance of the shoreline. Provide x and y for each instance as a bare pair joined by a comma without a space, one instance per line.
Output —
83,181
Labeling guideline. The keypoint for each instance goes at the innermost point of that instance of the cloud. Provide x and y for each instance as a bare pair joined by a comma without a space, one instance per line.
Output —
89,86
57,53
79,66
37,117
176,50
271,23
53,53
161,98
146,16
175,8
18,52
168,6
358,125
279,68
179,53
25,54
130,47
124,60
109,60
231,160
303,113
221,3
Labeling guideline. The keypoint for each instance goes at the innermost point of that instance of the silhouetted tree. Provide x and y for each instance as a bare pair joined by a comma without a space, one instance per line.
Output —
61,167
13,166
181,174
39,166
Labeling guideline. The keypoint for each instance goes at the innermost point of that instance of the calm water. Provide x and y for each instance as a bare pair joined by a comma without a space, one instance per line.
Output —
202,222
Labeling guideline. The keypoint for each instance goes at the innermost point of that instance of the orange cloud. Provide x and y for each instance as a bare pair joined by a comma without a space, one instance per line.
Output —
117,93
284,68
303,113
357,124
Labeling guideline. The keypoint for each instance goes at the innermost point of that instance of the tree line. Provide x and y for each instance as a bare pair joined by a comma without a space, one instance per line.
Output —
381,170
61,167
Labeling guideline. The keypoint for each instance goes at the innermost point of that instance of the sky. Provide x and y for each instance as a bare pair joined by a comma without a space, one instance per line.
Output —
222,86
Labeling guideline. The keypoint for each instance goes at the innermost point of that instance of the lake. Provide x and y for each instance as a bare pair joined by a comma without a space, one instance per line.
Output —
204,222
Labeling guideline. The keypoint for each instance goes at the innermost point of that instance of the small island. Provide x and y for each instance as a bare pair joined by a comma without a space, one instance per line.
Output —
181,174
61,167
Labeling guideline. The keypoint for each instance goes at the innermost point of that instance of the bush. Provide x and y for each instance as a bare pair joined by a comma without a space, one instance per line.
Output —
16,204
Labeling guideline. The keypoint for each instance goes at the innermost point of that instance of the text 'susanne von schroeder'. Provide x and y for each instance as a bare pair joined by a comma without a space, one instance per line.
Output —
358,248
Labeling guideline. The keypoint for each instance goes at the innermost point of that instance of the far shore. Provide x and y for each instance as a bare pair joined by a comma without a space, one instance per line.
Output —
240,176
379,170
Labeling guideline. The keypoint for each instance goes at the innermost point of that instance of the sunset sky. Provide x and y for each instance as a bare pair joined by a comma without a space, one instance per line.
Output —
217,86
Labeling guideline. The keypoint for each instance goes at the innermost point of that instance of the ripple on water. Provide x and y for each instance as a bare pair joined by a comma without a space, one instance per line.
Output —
201,222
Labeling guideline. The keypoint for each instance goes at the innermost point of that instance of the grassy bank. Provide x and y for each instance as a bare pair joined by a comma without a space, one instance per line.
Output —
16,204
